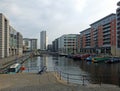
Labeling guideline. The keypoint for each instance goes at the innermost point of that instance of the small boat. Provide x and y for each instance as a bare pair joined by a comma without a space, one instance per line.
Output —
113,60
14,68
89,58
84,56
62,54
76,57
99,59
69,56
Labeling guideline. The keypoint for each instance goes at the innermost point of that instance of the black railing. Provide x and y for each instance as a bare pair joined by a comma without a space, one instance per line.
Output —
72,78
85,79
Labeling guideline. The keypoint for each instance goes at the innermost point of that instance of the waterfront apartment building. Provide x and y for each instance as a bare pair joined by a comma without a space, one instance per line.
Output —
8,39
29,44
118,29
43,40
4,36
100,37
67,44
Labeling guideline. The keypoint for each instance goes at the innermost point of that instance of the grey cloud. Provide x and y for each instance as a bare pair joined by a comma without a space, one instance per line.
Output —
57,17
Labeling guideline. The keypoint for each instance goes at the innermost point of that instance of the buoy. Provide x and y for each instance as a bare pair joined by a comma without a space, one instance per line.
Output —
22,68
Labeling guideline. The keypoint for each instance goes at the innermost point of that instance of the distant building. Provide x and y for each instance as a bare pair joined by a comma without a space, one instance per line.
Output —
49,47
19,43
55,45
26,44
43,40
33,44
66,44
12,41
29,44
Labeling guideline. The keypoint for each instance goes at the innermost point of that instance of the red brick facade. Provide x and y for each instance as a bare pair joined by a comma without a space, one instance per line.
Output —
92,39
100,36
83,41
113,32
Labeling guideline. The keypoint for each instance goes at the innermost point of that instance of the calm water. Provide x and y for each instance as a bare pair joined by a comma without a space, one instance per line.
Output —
107,73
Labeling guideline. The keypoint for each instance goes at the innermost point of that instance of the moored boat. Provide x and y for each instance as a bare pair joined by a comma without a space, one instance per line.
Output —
99,59
89,58
14,68
76,57
84,56
113,60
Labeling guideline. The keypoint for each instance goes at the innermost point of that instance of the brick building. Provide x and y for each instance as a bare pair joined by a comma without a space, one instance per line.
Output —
100,37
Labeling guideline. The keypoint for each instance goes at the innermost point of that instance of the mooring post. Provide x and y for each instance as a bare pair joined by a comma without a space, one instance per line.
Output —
67,78
83,80
60,75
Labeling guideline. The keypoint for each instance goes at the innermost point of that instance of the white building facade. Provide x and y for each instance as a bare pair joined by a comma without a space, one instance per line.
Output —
9,40
67,44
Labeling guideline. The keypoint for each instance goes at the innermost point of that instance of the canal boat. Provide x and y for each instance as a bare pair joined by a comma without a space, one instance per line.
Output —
88,59
69,56
84,56
99,59
113,60
76,57
14,68
62,54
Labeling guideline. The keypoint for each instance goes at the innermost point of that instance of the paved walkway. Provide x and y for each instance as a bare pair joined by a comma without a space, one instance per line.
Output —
45,82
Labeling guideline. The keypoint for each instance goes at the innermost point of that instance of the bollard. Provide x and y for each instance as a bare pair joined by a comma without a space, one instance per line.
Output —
100,80
83,80
68,78
60,75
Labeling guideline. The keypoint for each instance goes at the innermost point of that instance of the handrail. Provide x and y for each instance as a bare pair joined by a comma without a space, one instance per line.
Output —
67,76
81,78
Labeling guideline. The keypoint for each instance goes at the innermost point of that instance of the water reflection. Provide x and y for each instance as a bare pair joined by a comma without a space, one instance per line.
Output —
107,73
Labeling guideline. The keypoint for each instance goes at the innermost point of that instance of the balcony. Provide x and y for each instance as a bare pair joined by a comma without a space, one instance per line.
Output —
106,27
106,41
106,30
106,33
106,38
107,24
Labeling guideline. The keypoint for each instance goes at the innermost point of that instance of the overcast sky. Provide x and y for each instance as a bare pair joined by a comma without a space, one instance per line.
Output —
57,17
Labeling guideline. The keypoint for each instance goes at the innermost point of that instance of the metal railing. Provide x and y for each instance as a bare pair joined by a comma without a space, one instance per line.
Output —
84,79
72,78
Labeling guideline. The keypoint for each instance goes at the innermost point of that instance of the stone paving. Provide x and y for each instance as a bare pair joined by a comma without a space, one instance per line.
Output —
31,82
44,82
